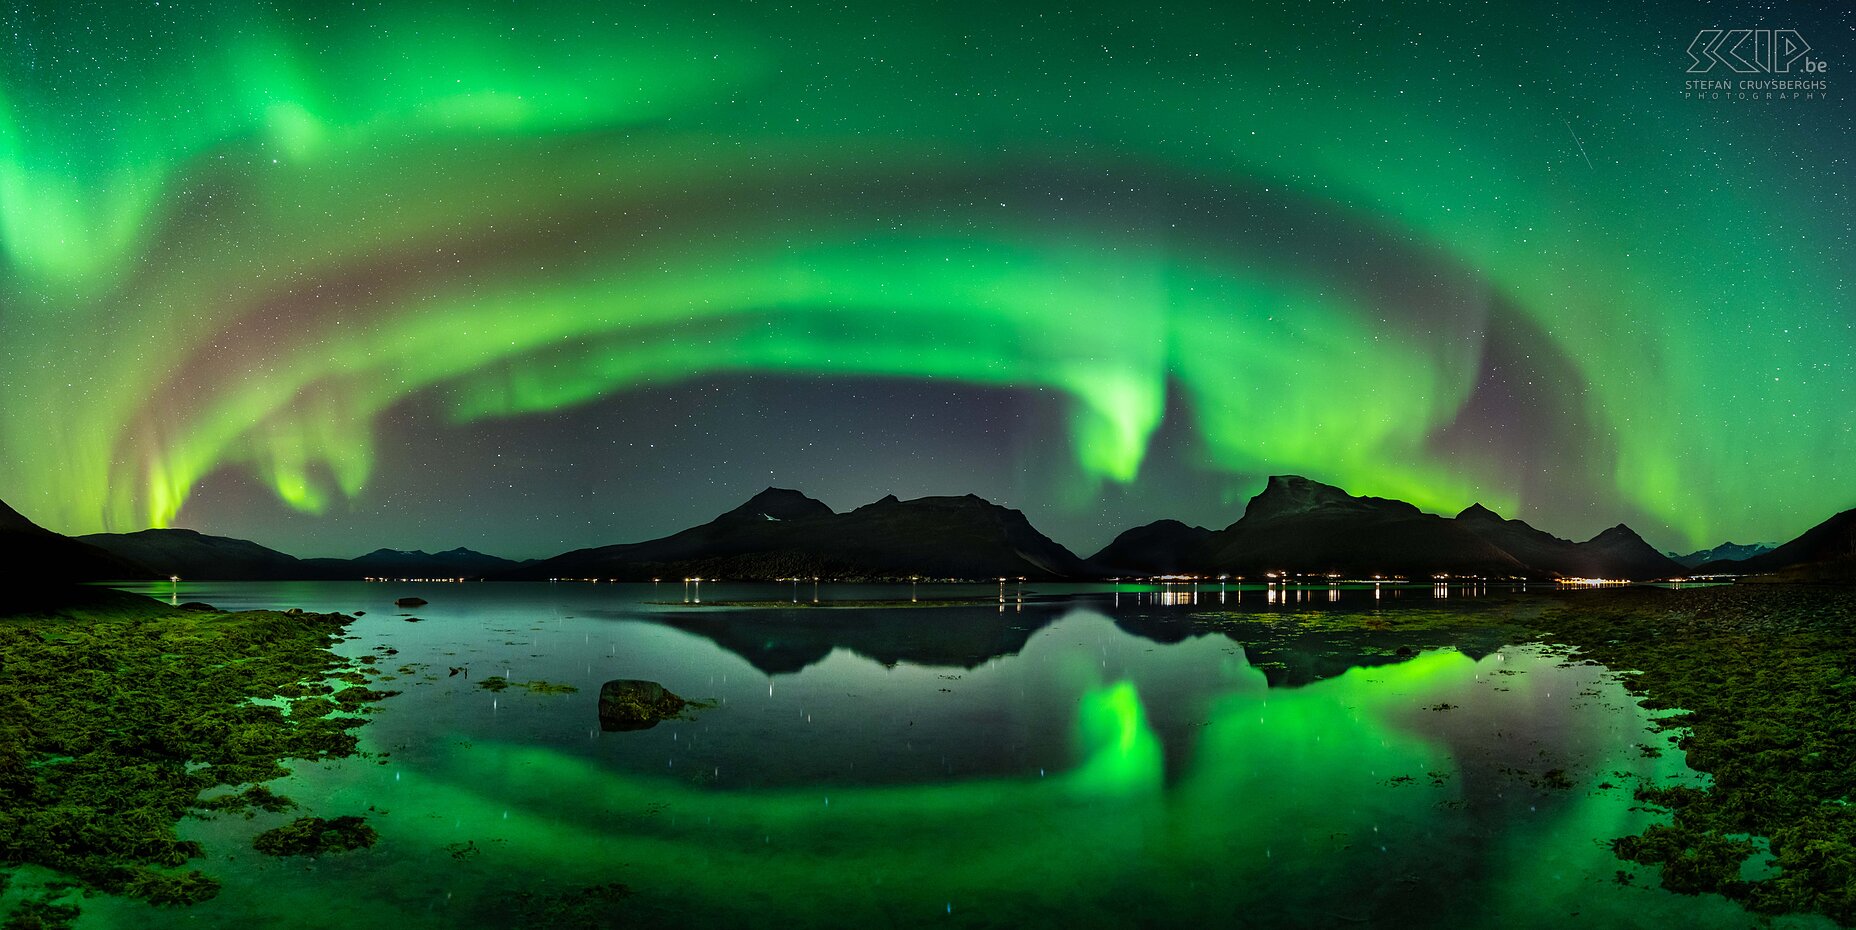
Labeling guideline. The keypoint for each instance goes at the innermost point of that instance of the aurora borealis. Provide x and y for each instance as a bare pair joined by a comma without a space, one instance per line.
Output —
1441,253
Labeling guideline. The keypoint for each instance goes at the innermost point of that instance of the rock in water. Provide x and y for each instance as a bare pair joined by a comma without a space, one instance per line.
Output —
633,704
411,602
314,836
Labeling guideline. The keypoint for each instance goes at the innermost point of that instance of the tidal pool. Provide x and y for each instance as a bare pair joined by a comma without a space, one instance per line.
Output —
1037,755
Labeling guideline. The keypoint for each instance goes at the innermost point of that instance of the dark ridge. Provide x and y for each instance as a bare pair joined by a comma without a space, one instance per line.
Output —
1163,547
934,537
778,504
1825,552
1294,524
1725,552
37,558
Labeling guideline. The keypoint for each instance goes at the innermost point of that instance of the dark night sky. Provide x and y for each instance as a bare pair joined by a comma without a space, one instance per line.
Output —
653,462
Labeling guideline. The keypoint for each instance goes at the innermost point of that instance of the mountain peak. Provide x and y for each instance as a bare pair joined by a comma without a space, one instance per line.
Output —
172,532
1169,524
1478,512
945,502
1294,495
1728,551
1620,535
1161,547
1283,495
778,504
970,500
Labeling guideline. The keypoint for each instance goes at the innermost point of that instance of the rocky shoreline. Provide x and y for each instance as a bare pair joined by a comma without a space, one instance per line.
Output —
119,716
1761,683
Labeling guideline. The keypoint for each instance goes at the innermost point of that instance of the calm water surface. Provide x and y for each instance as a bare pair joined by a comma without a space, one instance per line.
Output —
1045,756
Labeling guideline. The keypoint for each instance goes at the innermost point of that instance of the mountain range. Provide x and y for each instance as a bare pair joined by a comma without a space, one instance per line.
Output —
197,556
782,533
1294,525
1725,552
1303,526
1825,552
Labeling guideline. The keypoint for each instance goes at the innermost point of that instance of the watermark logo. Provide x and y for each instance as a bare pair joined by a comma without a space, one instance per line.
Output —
1755,64
1753,51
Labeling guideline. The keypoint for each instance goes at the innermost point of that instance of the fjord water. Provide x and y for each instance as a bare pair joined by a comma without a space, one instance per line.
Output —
1034,756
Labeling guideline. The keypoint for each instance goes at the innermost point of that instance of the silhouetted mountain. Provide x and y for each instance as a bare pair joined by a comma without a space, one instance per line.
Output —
1620,553
777,504
1304,526
1162,547
953,537
781,533
746,530
1286,496
398,563
1725,552
197,556
12,521
1825,552
1301,526
33,556
1616,553
1837,570
1294,525
1531,547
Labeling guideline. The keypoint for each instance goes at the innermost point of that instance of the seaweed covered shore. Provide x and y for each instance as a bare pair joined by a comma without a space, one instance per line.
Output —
1761,682
119,716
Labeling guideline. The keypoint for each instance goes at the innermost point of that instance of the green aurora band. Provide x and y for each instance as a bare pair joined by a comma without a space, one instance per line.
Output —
234,237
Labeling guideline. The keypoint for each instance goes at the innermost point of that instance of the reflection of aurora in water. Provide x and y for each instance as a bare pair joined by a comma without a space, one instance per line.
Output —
236,237
1346,798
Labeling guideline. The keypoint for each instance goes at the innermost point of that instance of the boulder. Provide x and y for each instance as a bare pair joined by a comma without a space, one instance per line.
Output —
633,704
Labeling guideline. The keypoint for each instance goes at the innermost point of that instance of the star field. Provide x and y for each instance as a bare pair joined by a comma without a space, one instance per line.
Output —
525,279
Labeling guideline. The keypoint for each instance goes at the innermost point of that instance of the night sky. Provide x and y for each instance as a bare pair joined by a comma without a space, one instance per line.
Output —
440,274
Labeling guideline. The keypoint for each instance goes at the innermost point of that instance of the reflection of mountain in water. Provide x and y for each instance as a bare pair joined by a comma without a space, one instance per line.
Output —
785,642
1292,656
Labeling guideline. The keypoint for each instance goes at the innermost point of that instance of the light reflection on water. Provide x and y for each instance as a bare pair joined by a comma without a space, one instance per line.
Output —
1094,758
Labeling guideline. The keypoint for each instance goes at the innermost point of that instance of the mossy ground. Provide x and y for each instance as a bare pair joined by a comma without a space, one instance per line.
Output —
1761,682
313,836
117,713
499,683
629,704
